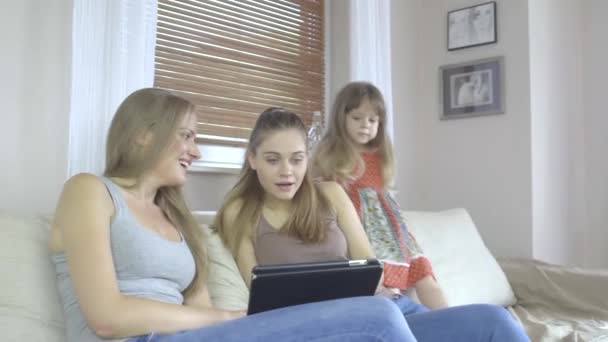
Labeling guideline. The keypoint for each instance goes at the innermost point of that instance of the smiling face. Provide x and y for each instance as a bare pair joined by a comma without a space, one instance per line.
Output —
181,153
280,163
362,123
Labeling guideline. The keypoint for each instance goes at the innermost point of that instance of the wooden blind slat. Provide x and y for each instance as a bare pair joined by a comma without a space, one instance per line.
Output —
234,80
234,59
285,65
247,27
239,14
214,32
215,88
231,68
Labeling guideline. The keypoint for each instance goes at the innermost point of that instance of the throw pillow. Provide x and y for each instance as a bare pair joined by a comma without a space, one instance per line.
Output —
463,265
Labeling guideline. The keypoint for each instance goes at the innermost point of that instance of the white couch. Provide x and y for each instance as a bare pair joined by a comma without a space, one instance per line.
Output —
554,303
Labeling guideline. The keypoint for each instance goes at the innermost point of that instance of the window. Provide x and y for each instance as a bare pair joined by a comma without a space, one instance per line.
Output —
233,59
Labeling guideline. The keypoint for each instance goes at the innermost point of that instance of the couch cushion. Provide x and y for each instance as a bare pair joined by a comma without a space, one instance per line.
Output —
227,288
463,265
29,302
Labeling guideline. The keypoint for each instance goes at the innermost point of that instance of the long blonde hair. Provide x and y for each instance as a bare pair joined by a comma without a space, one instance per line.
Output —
307,221
154,114
336,157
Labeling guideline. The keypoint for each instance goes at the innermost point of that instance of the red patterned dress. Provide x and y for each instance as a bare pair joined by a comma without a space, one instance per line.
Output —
404,263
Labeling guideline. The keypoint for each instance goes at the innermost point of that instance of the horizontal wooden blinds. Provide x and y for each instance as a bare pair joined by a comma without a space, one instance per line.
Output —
235,58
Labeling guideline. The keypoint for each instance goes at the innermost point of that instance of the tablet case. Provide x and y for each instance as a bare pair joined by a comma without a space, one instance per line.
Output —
278,286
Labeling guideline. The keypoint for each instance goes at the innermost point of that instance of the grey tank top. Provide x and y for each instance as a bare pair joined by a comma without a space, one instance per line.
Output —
147,265
274,247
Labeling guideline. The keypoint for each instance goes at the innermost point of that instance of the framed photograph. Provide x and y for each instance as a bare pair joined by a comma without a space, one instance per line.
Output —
472,26
472,89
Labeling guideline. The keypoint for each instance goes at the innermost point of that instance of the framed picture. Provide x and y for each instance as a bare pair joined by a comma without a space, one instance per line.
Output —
472,26
472,89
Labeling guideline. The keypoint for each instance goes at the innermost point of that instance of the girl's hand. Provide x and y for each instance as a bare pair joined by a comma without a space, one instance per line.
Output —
387,291
230,315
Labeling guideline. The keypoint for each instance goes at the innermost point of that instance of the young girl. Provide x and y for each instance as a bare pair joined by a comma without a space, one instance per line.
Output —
130,258
357,153
275,214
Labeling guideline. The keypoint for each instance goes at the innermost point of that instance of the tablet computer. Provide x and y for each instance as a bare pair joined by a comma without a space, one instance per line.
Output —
278,286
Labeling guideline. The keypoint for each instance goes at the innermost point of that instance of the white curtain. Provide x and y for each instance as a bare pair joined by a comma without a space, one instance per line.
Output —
370,47
112,55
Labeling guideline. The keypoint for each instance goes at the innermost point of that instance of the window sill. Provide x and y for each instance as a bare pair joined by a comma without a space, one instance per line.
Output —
209,167
219,159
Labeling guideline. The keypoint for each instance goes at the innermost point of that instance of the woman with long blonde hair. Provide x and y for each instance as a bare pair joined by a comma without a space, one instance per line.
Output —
130,258
275,214
276,205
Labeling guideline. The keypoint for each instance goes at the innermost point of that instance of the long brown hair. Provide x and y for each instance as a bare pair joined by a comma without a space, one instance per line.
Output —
307,221
336,157
154,114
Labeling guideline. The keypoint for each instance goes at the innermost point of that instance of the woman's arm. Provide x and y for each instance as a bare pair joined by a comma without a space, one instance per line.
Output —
201,299
83,215
348,220
246,260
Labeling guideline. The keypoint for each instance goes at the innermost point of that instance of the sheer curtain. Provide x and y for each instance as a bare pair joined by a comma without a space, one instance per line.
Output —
112,55
370,47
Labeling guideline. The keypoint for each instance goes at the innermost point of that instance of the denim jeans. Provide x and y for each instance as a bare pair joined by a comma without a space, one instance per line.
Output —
358,319
362,319
467,323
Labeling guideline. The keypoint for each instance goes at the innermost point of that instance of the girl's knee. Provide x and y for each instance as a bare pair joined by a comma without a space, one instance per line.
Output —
377,304
380,308
503,324
493,313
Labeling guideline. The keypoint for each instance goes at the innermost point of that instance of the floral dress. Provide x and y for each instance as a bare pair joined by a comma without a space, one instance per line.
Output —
404,263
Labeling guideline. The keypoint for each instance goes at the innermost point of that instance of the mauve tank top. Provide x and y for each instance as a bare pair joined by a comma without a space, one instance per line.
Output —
274,247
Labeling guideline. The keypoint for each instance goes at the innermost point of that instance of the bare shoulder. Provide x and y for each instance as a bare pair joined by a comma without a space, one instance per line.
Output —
86,187
83,180
231,212
332,190
84,198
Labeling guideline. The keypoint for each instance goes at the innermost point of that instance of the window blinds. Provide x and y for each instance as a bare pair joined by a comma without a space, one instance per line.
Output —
233,59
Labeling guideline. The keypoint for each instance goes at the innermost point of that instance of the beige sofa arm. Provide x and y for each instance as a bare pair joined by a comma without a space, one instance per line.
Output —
558,287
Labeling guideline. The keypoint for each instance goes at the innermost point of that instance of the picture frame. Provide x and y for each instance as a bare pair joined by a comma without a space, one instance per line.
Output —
472,26
472,88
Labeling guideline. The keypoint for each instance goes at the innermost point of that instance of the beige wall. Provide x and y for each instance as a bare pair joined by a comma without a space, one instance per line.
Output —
557,130
482,164
595,78
35,92
405,41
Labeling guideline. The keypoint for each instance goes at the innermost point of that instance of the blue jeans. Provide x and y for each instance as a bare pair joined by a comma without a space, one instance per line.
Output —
362,319
467,323
358,319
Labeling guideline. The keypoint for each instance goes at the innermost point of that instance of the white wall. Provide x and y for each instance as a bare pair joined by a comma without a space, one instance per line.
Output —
405,38
483,163
35,92
595,76
557,130
339,47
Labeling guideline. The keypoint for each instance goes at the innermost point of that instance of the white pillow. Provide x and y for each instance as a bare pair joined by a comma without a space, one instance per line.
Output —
227,288
29,301
463,265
